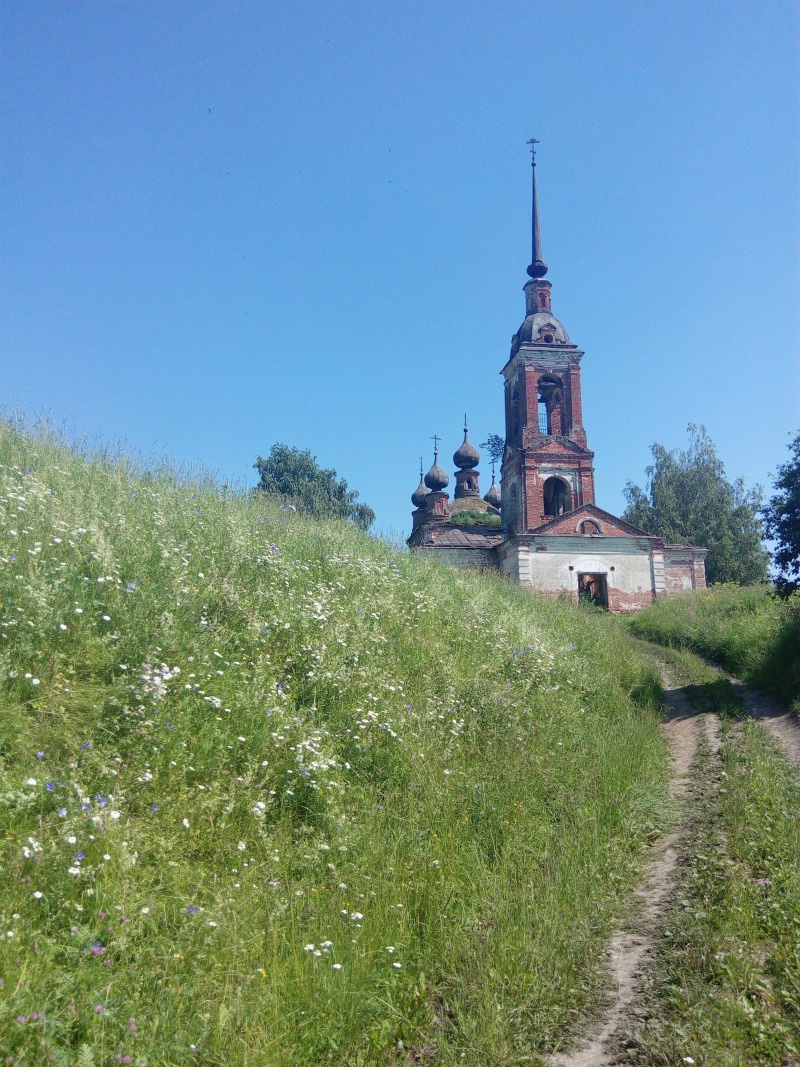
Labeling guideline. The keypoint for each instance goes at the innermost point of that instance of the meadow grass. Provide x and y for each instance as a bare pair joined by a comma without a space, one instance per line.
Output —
275,793
726,974
746,629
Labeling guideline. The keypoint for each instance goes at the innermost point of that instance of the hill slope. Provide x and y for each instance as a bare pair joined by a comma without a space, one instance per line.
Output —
274,793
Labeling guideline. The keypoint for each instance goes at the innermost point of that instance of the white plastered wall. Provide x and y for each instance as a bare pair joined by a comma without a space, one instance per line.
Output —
550,570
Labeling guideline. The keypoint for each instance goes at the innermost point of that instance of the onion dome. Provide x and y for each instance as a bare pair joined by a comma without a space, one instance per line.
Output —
467,457
493,496
437,477
420,494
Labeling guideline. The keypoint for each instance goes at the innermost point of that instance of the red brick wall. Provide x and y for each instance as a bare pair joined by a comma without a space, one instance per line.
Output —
622,603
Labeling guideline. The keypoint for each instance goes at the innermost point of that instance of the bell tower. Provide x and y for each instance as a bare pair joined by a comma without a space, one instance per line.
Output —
547,466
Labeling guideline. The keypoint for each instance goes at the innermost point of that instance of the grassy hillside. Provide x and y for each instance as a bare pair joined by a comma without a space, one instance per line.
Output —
746,629
275,793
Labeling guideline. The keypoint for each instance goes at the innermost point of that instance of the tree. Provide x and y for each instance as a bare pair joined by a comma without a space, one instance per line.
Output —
295,475
689,500
495,446
782,521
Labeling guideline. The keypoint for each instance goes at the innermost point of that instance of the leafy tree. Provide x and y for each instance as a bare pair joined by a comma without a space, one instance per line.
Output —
495,446
689,500
782,521
295,475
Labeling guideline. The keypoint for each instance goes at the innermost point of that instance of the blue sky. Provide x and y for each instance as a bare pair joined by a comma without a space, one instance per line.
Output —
230,224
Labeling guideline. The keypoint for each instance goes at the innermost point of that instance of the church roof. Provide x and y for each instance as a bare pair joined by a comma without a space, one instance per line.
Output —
540,328
454,537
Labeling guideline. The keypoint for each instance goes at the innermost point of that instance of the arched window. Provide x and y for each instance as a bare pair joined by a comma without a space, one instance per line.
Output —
588,527
556,496
550,392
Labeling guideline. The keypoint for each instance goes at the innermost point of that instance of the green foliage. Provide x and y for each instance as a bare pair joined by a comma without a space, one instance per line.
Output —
475,518
295,476
746,629
495,446
782,521
690,501
275,793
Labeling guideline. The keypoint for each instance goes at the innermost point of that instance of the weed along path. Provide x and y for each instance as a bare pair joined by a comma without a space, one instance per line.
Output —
778,720
629,949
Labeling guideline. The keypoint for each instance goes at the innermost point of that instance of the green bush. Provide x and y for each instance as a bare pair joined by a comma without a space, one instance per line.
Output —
475,518
746,629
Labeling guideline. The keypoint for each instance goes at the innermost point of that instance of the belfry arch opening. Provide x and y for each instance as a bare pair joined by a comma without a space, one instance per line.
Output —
557,496
550,391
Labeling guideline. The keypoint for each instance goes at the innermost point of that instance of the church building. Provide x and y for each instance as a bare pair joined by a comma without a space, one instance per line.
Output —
542,526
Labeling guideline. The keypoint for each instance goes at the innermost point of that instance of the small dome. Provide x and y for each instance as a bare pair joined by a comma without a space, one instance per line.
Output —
420,494
467,457
540,328
493,496
436,478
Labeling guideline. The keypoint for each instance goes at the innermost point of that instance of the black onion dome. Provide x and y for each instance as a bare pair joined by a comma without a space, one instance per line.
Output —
493,496
467,457
437,478
420,494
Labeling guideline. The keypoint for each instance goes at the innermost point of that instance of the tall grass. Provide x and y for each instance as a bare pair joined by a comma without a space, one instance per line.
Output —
746,629
275,793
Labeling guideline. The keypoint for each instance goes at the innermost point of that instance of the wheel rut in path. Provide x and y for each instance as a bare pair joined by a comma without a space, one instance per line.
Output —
628,951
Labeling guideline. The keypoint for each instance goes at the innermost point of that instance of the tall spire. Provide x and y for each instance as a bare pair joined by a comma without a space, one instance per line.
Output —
537,268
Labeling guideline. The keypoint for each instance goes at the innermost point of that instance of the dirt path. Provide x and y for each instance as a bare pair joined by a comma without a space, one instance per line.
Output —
780,722
628,951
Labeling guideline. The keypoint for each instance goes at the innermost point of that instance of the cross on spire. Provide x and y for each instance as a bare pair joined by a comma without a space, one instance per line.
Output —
436,439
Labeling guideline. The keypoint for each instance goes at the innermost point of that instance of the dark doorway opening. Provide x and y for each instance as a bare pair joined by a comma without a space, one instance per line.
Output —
593,589
556,496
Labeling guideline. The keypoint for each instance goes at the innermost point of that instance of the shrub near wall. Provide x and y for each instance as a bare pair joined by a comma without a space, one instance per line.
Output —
746,629
273,793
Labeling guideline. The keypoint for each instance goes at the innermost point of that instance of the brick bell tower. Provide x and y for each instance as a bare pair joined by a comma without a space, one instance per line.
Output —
547,467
